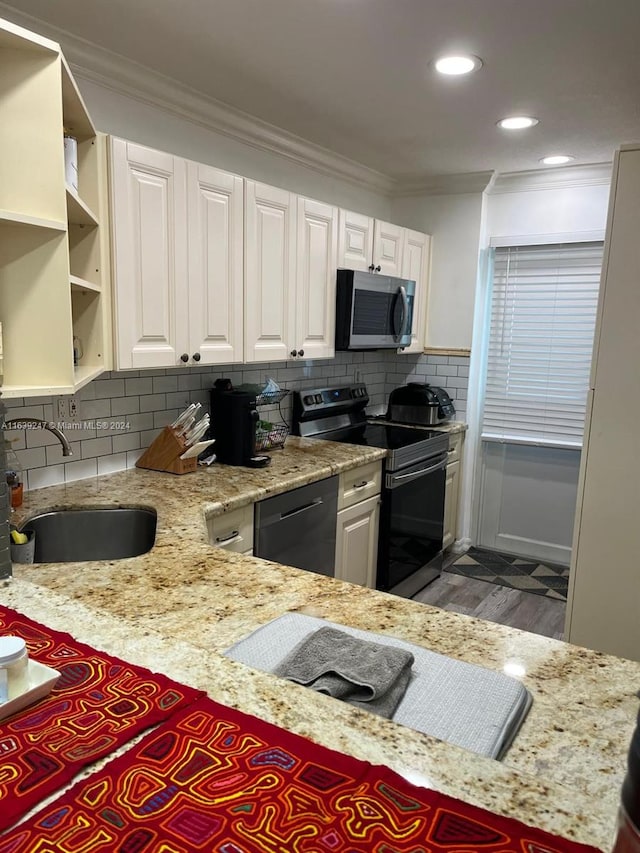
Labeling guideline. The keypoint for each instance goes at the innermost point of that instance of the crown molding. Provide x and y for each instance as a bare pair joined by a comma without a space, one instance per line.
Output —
458,184
592,174
97,65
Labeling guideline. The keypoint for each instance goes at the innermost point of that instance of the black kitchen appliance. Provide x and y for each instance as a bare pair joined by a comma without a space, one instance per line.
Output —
419,404
373,311
233,425
412,508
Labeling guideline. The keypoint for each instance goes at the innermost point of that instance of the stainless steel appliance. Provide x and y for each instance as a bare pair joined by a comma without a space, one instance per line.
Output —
373,311
298,528
412,510
419,404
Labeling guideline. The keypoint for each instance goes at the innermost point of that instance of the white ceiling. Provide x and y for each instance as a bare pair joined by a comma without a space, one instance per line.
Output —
354,76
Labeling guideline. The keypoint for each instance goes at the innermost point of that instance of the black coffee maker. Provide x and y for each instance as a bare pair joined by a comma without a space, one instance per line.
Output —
233,425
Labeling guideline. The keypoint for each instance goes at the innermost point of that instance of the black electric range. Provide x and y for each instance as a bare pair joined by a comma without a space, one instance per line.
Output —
412,506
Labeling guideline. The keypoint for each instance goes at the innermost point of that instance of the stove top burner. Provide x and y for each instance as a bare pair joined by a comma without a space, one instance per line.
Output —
337,414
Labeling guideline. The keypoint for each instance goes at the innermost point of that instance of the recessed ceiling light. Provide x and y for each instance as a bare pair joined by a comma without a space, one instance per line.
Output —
455,65
517,122
557,159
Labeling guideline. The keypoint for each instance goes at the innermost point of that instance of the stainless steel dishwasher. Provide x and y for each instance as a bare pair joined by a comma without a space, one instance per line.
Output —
298,528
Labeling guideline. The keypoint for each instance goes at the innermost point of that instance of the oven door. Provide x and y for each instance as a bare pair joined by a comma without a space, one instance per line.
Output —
411,527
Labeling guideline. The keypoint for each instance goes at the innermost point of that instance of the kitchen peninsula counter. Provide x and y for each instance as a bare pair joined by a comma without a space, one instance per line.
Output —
176,608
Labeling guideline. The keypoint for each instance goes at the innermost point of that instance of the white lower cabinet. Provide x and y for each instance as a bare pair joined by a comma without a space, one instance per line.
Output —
232,530
357,543
452,488
452,491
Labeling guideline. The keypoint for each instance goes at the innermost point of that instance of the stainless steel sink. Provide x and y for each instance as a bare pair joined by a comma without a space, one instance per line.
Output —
105,533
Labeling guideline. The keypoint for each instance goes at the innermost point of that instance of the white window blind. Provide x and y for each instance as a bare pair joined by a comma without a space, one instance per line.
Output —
543,313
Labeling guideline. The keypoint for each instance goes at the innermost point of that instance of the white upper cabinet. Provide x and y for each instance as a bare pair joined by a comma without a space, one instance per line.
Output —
216,274
317,254
270,269
178,260
150,257
388,241
415,266
369,244
355,241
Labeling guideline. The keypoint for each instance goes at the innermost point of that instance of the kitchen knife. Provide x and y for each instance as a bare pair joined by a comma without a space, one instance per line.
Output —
190,421
180,420
197,431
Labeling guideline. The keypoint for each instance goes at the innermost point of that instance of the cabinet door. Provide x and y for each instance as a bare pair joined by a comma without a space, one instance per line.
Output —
355,241
317,252
150,256
415,266
388,241
270,263
452,488
216,276
357,543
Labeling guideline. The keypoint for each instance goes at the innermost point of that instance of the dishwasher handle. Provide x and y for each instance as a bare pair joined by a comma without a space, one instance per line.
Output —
299,510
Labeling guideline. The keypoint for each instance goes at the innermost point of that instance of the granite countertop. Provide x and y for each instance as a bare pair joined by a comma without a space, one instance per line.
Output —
178,607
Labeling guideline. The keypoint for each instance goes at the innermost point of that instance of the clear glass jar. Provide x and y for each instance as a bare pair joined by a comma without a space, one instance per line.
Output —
14,668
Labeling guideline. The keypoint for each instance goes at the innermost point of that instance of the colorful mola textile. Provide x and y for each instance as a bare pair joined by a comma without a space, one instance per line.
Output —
216,780
97,704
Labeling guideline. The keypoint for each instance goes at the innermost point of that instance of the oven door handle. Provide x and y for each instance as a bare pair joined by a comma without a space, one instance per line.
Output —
394,480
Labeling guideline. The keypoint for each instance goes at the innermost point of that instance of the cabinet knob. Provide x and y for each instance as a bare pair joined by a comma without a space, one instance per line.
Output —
184,357
196,356
293,353
300,352
371,267
378,268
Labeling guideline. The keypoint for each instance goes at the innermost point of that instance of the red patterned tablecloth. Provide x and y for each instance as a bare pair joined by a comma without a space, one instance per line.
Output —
97,704
214,779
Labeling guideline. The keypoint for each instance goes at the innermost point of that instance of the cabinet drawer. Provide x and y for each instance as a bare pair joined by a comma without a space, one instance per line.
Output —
455,447
232,530
359,483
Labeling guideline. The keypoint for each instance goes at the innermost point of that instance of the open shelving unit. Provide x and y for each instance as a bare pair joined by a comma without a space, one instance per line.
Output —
54,254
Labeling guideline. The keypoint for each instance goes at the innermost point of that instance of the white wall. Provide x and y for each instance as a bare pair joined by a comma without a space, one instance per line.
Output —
454,223
133,119
549,211
525,498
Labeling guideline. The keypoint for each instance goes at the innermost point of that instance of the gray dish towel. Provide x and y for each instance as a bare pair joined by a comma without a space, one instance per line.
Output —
365,674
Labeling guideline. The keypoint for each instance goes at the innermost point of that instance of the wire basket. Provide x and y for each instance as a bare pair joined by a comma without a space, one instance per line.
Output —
271,437
268,398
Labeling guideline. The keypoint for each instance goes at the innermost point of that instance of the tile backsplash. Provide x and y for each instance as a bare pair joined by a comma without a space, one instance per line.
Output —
121,412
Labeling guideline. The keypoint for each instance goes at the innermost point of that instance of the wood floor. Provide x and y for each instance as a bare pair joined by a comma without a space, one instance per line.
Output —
495,603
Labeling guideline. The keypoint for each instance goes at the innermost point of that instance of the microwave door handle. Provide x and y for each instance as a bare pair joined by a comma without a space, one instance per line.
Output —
402,292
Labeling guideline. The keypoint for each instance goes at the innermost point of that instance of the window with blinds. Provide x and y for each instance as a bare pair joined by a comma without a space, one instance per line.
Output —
543,314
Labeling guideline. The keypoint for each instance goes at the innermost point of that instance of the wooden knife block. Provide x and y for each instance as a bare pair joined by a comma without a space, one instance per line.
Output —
164,454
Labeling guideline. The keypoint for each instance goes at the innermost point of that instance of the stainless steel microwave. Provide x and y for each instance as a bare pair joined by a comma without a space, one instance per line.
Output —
373,311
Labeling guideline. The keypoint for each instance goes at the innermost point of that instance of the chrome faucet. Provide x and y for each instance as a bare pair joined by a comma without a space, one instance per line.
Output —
25,423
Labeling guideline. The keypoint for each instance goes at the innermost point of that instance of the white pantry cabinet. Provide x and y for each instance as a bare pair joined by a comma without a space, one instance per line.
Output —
178,265
603,606
369,244
290,275
53,248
